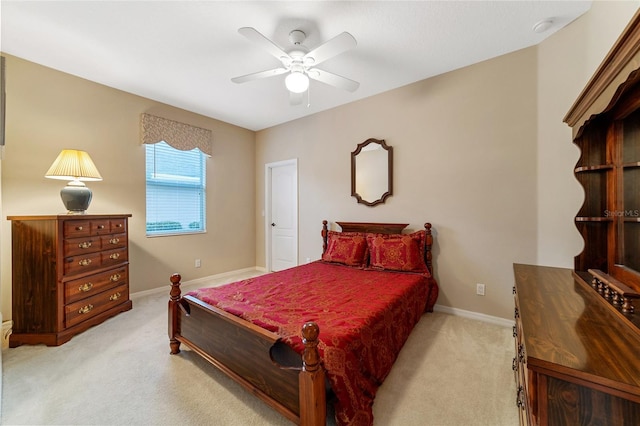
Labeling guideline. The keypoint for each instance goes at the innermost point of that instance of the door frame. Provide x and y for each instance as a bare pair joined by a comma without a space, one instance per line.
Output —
267,208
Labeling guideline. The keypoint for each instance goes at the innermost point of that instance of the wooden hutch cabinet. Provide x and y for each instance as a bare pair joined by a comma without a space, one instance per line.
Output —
69,273
577,331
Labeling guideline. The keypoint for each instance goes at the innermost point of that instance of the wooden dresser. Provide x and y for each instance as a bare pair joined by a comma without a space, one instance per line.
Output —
69,273
576,363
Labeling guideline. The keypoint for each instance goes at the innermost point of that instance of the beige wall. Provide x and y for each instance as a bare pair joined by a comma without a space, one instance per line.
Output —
464,159
49,110
480,152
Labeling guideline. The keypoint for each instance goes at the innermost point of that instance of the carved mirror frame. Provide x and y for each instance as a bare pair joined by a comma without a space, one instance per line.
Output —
389,172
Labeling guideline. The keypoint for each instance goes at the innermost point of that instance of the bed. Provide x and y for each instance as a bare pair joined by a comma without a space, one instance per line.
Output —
329,329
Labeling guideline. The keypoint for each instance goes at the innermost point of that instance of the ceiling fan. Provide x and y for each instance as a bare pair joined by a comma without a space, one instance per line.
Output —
299,62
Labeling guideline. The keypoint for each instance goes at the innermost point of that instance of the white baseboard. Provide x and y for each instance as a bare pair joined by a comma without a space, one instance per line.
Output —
474,315
203,280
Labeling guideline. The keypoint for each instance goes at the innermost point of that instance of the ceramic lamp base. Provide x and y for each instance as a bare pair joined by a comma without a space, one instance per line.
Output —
76,198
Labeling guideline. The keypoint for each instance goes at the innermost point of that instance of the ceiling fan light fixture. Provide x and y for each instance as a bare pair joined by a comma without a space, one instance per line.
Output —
297,82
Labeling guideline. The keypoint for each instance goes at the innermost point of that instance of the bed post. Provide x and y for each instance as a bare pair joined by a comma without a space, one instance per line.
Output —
174,301
313,406
428,242
325,235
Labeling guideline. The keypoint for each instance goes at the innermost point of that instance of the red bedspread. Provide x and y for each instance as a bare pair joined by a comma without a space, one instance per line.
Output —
364,318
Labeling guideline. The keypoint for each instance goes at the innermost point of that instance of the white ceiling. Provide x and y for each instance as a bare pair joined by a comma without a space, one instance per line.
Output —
184,53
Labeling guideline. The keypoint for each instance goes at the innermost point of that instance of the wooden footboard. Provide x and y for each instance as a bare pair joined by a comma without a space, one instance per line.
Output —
254,357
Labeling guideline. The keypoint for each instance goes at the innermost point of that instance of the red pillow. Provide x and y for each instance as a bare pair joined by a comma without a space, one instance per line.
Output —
348,248
397,252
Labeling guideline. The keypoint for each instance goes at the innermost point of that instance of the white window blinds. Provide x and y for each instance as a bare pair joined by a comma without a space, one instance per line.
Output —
176,190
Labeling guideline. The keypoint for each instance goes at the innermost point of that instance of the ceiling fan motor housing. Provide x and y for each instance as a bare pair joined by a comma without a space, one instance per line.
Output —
297,37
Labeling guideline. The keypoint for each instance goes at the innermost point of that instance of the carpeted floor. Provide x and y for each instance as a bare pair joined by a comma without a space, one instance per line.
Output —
451,371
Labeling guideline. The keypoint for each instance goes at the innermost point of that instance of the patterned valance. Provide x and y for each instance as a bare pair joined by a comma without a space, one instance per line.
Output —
179,135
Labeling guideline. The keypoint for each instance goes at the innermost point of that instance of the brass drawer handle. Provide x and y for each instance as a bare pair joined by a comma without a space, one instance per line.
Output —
85,244
115,277
115,296
114,241
119,225
100,226
79,228
114,256
85,262
85,287
85,309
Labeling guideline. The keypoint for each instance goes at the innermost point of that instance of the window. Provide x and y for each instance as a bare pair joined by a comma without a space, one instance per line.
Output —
176,189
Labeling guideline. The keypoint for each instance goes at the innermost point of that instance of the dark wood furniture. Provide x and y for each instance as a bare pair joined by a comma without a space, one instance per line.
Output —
606,127
577,331
576,363
258,360
69,273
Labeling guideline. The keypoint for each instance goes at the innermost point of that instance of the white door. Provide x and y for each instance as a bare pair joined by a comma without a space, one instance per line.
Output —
281,197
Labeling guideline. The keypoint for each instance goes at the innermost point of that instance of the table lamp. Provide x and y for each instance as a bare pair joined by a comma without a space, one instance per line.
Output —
75,166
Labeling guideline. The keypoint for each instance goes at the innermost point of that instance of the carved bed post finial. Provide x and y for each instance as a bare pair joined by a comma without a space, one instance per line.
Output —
428,242
325,235
313,405
310,356
175,292
174,301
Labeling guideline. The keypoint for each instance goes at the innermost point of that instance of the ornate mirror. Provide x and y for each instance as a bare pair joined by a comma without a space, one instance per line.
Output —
372,172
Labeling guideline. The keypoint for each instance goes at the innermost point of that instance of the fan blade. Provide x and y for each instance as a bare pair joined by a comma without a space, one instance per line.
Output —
333,79
335,46
256,37
296,98
259,75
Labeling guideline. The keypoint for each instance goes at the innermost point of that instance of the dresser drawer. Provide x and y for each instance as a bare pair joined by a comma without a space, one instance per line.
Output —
85,309
114,257
118,226
99,227
88,286
76,246
109,242
77,228
88,262
82,263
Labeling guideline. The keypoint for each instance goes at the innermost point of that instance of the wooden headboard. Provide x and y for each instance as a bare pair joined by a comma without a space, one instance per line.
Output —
381,228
